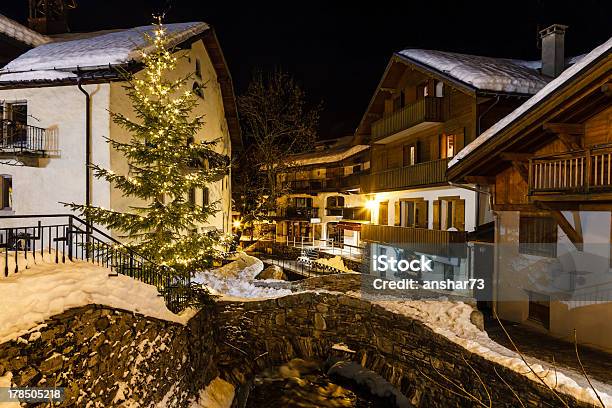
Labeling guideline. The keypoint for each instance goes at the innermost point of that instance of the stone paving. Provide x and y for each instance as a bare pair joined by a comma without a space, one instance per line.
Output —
532,343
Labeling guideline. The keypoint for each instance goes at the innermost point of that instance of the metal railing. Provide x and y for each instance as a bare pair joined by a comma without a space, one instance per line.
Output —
420,174
22,138
67,237
579,171
428,109
328,246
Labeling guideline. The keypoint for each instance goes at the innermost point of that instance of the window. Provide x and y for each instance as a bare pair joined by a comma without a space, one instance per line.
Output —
357,168
303,202
198,69
205,196
538,236
14,122
413,213
449,212
439,89
6,192
410,155
192,196
335,201
383,213
448,146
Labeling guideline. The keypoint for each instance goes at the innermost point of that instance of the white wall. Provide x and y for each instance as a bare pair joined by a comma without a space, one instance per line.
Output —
61,110
61,177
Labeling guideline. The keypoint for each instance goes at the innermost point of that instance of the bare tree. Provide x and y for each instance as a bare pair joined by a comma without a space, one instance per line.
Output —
277,123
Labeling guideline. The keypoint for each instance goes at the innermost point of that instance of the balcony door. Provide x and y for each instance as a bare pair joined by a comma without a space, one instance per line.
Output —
449,213
14,123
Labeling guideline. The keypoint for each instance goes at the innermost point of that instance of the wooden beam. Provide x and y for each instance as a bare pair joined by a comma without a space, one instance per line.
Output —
607,89
480,180
571,142
521,157
574,234
567,128
522,170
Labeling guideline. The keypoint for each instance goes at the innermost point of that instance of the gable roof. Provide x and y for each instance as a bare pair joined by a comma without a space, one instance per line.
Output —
68,53
65,57
21,33
548,91
481,73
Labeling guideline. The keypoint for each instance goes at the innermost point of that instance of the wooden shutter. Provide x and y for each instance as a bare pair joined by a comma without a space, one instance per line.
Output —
421,219
459,140
459,214
397,220
436,214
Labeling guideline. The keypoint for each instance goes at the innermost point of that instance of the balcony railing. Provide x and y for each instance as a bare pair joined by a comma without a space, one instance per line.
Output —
420,174
418,239
21,138
584,171
428,109
349,213
298,213
329,184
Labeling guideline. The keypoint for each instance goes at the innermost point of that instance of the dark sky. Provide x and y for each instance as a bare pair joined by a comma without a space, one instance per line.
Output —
338,51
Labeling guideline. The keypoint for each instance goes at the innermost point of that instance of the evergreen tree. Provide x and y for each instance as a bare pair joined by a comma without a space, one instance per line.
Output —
165,167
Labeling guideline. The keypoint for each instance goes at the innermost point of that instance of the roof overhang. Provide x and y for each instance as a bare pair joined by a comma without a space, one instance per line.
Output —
578,98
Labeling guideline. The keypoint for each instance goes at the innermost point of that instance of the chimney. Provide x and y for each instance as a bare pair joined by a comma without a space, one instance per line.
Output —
553,50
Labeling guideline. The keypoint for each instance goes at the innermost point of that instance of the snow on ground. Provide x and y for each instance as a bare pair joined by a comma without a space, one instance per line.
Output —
452,320
45,289
217,394
236,280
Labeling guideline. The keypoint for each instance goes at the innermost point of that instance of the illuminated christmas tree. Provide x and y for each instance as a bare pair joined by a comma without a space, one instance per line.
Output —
165,167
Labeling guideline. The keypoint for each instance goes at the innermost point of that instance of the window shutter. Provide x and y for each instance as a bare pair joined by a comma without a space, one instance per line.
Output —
436,214
421,221
459,140
459,214
397,220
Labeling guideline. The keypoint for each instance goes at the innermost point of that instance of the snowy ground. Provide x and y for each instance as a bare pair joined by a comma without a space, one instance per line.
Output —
235,280
45,289
452,320
218,394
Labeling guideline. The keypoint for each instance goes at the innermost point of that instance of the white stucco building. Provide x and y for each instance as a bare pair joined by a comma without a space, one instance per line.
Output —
44,125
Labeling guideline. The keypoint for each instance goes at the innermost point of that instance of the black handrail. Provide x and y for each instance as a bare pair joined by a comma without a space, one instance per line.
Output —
20,137
75,239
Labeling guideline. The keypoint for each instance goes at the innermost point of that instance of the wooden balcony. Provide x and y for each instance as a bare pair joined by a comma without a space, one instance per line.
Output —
340,183
586,171
428,109
349,213
419,175
430,241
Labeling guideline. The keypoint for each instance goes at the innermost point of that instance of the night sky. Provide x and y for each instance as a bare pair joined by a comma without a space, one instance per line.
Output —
339,51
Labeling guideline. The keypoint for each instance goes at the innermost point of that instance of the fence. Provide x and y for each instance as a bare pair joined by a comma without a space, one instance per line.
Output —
66,237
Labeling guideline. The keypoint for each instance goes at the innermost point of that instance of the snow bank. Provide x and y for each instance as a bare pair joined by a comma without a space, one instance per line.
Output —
218,394
46,289
236,280
452,320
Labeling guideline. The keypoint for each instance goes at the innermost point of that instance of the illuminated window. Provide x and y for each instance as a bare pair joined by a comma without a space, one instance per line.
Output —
450,145
6,192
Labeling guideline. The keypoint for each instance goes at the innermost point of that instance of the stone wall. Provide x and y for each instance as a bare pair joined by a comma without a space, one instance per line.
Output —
106,356
405,352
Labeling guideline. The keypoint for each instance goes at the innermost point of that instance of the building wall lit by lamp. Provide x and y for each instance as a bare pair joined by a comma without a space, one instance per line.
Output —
371,205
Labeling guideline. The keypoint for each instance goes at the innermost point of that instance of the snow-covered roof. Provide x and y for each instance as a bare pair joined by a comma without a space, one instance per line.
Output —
330,156
64,54
482,73
549,89
21,33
